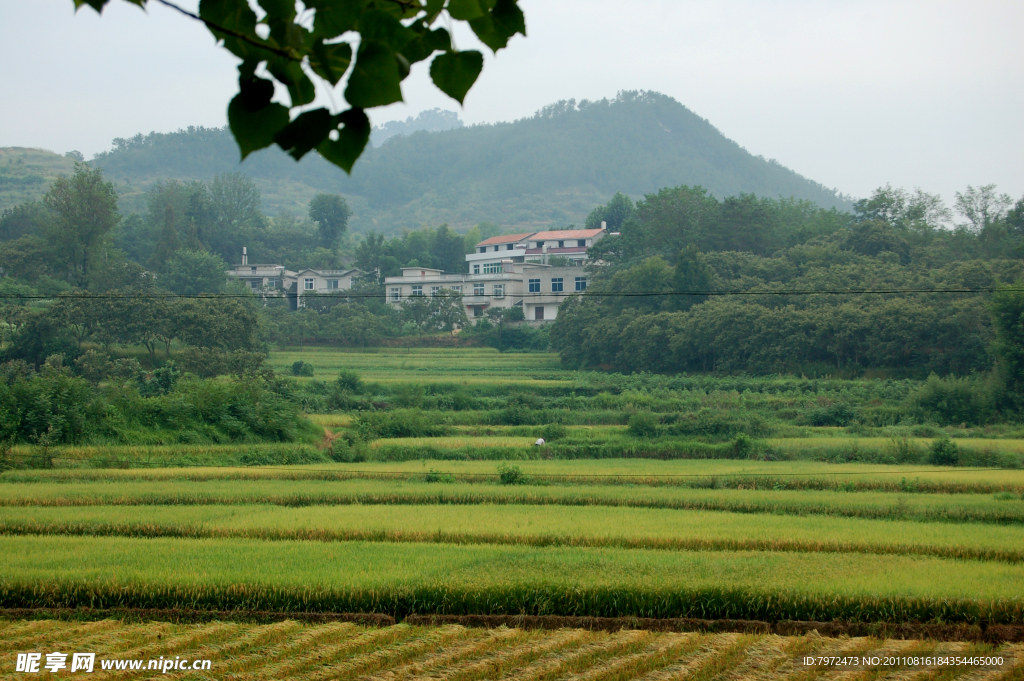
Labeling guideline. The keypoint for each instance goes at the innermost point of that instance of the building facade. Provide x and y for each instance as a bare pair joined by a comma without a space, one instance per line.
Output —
508,271
276,281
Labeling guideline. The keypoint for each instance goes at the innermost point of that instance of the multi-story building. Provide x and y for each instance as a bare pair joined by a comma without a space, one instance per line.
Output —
507,271
276,281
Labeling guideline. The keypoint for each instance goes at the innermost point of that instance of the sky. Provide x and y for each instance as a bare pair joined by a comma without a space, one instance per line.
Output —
853,94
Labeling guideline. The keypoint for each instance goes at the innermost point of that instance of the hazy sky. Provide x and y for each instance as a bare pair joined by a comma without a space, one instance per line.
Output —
853,93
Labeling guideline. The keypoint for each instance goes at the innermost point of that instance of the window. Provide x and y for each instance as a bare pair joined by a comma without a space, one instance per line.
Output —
483,249
255,283
254,268
417,290
561,244
332,284
510,247
495,248
540,244
556,285
478,311
396,294
307,284
478,289
434,290
498,290
538,312
535,286
272,283
492,268
581,283
476,269
457,289
582,243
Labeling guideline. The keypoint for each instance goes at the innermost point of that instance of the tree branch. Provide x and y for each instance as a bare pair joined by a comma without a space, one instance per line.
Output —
287,54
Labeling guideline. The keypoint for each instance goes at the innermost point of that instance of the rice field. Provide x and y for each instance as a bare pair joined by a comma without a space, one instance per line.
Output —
792,528
341,650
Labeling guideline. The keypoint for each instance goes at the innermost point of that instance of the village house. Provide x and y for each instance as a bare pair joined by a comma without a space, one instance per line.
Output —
507,271
276,281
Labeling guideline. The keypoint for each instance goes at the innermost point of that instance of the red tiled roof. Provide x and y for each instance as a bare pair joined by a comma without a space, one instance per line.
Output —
566,234
510,239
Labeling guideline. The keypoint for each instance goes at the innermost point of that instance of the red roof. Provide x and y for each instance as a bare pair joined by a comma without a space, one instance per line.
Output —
566,234
510,239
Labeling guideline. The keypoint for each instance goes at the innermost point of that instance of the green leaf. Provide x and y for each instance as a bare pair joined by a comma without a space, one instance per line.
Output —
375,79
426,44
334,17
256,93
330,61
378,26
305,132
464,10
233,14
352,139
254,130
280,10
455,72
290,73
495,28
433,8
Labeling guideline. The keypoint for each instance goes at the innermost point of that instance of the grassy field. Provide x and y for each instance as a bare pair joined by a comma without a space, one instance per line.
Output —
733,505
290,649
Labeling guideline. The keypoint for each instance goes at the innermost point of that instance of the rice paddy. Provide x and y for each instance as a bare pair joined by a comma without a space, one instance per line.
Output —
798,523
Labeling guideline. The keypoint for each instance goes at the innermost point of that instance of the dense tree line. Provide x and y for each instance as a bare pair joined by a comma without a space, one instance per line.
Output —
682,239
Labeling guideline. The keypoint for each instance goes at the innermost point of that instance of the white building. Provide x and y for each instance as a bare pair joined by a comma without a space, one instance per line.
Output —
507,271
276,281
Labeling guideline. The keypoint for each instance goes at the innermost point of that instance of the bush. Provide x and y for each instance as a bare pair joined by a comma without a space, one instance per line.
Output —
952,400
512,475
301,368
838,414
944,452
643,424
399,423
349,381
161,381
553,431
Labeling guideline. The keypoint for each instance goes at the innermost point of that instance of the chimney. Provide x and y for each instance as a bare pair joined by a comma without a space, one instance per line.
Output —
245,256
604,225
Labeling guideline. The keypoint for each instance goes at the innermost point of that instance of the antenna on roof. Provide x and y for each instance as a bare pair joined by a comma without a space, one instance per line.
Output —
245,256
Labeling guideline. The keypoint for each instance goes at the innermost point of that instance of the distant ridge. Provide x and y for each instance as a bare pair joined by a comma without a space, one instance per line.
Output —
549,169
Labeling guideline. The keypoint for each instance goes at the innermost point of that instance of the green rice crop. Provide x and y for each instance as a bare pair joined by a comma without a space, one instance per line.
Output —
951,508
700,473
432,578
505,524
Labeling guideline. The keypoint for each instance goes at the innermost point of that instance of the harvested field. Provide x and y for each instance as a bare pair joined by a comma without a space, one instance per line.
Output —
340,650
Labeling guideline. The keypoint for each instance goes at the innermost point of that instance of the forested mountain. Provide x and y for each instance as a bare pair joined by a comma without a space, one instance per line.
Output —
546,170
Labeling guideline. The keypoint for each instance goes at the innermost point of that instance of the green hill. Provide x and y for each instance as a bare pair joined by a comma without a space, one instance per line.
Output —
26,174
547,170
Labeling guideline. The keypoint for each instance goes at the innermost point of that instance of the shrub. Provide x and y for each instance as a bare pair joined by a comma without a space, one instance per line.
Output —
349,381
203,362
301,368
512,475
838,414
954,400
161,381
399,423
944,452
553,431
643,424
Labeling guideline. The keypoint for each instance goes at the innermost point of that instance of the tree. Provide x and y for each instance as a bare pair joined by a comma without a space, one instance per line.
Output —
298,53
982,206
193,272
1008,318
448,251
614,214
692,274
83,211
331,214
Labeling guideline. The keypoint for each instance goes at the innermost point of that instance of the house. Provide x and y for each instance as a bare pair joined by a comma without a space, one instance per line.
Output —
276,281
507,271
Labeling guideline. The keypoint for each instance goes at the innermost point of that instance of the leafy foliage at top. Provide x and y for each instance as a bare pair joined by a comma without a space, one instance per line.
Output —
300,50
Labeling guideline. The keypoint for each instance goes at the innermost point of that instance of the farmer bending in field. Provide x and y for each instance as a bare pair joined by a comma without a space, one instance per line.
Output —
539,442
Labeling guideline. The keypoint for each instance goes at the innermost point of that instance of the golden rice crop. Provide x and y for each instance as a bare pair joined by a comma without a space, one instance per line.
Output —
946,508
428,578
636,528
